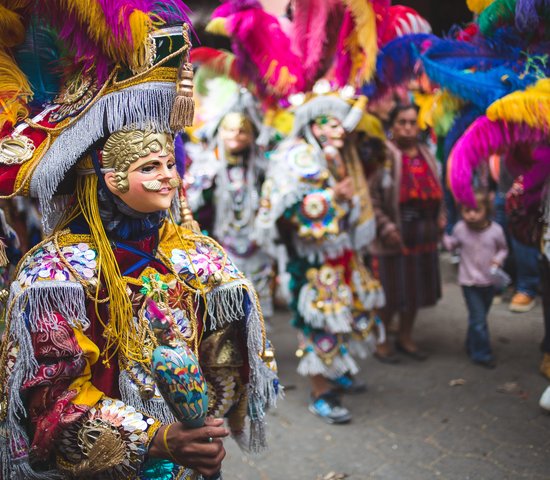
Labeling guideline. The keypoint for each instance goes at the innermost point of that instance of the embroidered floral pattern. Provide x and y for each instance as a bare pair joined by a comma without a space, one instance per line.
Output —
204,263
47,264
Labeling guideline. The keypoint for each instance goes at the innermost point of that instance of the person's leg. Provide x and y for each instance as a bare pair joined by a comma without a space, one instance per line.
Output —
406,323
545,346
477,338
527,281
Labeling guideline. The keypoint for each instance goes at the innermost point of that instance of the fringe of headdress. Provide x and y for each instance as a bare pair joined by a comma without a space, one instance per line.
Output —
141,106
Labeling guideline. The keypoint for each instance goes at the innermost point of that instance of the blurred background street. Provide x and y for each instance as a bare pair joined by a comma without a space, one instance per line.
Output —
444,418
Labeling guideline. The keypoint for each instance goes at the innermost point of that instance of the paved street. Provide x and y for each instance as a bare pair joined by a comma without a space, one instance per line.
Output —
413,423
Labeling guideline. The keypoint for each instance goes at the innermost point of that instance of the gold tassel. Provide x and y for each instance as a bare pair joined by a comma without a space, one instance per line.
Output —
183,109
187,220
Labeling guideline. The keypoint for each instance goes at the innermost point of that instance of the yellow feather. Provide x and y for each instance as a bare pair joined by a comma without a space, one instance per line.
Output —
12,30
367,38
437,110
217,27
531,106
90,14
477,6
372,126
15,91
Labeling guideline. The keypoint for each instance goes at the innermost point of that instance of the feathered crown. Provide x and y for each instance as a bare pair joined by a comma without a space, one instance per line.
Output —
124,62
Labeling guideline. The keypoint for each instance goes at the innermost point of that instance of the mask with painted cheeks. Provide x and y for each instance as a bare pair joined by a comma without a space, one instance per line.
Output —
140,169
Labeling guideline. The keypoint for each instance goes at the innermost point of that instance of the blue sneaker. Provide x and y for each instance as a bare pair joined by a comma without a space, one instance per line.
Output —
328,408
348,384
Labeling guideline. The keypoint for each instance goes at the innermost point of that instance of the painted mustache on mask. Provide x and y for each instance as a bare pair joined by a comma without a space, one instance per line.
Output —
156,185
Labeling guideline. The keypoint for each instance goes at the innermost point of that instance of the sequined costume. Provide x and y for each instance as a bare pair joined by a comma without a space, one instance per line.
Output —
334,296
78,399
224,187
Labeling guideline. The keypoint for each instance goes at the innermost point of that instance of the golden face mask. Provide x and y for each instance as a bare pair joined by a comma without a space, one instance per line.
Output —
125,147
235,121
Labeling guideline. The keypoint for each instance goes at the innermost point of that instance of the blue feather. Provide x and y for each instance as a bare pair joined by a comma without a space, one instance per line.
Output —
479,87
396,62
38,57
461,122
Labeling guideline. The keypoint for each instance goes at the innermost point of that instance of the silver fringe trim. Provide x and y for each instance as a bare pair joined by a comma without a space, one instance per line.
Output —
362,348
336,322
141,106
333,246
226,304
369,299
156,407
37,302
312,364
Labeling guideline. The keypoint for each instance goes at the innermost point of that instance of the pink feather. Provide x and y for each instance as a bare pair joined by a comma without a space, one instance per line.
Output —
309,32
482,139
343,61
260,36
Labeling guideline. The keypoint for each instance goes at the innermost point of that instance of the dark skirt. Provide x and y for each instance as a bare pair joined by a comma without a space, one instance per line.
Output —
411,279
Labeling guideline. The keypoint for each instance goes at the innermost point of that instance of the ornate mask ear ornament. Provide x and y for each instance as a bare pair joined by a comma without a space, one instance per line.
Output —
125,147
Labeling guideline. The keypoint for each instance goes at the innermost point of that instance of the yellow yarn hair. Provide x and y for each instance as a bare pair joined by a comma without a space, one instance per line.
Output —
531,106
477,6
367,38
372,126
16,91
120,330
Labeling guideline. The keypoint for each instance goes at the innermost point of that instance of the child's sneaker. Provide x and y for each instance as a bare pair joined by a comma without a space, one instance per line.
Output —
521,303
348,384
328,408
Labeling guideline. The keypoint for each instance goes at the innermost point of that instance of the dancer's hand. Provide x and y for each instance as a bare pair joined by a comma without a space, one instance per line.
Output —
191,447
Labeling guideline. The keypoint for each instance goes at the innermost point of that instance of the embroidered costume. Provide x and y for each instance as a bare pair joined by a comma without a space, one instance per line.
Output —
79,395
224,184
334,296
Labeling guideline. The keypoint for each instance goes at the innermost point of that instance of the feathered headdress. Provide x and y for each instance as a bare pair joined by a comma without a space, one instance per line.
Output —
120,64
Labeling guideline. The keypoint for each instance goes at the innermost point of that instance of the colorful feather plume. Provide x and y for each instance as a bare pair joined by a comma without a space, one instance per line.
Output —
460,123
15,91
263,51
12,29
479,87
219,61
309,36
365,30
477,6
403,20
531,106
101,32
38,57
480,140
499,13
437,110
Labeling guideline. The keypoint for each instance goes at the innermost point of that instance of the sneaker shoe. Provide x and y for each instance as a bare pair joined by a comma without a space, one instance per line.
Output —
349,384
521,303
329,409
544,401
545,365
